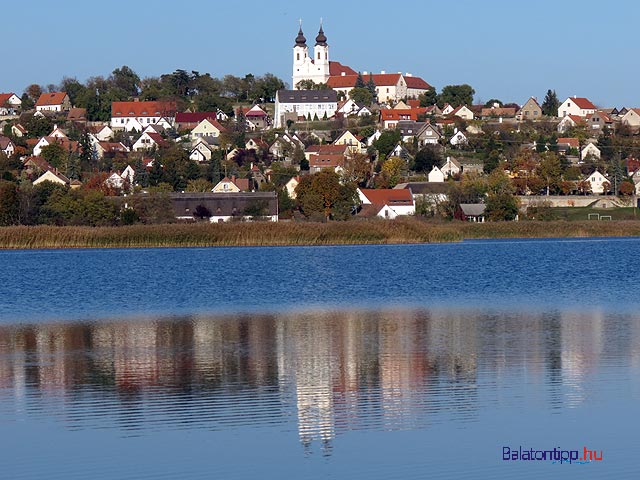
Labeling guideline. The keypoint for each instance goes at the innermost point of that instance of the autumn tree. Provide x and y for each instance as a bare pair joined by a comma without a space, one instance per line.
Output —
322,193
456,95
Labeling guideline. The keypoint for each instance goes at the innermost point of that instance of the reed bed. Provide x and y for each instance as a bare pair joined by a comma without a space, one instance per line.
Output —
227,234
298,233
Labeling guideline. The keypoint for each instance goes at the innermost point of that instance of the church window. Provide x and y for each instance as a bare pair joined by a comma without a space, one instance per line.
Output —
318,55
297,56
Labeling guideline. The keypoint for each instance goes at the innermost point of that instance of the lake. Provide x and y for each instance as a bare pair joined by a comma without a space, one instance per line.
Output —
408,361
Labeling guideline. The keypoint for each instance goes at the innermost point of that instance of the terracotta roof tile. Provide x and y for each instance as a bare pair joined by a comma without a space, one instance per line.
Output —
142,109
53,98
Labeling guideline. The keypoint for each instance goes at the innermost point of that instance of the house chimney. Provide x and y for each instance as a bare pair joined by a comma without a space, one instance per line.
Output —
365,73
343,74
408,74
382,72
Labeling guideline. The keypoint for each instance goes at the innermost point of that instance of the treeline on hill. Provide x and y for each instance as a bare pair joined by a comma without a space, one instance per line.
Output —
201,92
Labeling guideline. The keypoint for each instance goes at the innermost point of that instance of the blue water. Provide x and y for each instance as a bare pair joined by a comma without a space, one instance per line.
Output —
88,284
322,362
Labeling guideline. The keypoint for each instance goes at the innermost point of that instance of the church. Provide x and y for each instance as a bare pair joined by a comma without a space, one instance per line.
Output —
317,67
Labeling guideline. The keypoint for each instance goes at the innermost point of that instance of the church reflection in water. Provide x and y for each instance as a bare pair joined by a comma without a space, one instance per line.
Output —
321,373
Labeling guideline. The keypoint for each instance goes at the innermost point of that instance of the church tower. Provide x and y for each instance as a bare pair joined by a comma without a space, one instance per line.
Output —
306,67
300,58
321,56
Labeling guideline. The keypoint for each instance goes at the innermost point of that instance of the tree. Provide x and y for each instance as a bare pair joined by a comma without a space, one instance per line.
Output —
361,95
387,141
456,95
55,155
492,102
9,203
550,170
550,104
322,193
392,170
371,86
501,203
126,80
360,82
428,98
426,158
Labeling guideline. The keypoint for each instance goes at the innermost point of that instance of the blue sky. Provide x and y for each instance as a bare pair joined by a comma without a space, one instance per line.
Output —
506,49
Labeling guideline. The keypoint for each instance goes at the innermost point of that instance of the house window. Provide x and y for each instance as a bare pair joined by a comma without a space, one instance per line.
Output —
535,113
526,113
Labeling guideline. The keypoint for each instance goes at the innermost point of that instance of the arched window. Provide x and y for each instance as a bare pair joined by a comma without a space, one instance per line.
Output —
297,56
318,55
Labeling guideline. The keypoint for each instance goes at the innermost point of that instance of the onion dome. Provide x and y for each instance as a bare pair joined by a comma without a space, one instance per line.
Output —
321,39
300,40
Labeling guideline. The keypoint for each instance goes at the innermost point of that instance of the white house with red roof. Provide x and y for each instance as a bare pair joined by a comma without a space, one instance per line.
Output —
131,116
147,141
7,146
256,117
631,117
463,112
579,106
390,87
386,203
53,102
209,127
9,102
570,121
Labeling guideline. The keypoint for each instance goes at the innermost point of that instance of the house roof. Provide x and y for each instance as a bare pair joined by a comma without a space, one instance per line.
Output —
142,109
327,149
498,112
4,142
223,204
582,103
156,137
306,96
53,98
254,111
349,81
416,82
388,196
570,141
4,97
77,114
425,188
336,68
194,117
38,162
405,114
325,160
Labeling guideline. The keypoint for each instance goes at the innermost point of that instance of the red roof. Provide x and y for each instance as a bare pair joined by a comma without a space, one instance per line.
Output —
142,109
327,149
417,82
193,117
4,97
582,103
402,114
388,196
156,137
349,81
576,118
336,68
53,98
325,161
571,141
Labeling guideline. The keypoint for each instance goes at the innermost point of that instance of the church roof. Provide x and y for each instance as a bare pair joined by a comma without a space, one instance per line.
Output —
321,39
300,40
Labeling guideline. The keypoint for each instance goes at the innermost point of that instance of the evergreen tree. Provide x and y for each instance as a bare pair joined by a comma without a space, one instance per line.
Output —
156,175
360,82
371,86
550,104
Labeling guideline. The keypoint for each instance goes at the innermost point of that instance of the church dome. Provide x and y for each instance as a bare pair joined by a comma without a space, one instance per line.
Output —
300,40
321,39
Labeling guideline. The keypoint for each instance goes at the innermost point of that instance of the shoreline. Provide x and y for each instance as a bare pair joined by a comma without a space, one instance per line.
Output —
377,232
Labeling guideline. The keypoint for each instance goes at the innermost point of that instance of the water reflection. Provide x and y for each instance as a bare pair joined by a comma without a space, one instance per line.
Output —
317,373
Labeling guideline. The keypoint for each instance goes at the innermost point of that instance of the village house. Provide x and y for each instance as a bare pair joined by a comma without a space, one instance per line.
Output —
354,142
599,120
148,141
186,121
232,185
136,116
291,186
579,106
386,203
590,151
428,135
285,145
201,151
102,133
10,103
207,128
631,118
463,112
390,87
304,104
451,167
436,175
350,107
531,110
7,146
53,102
458,139
53,176
256,118
598,182
569,122
225,207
